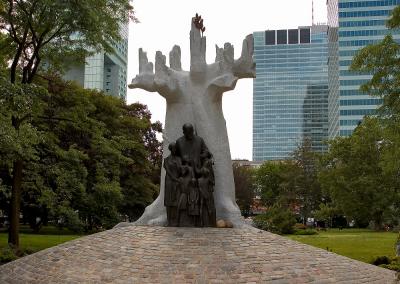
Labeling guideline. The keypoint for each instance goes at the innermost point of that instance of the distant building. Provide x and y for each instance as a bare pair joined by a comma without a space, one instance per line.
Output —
247,163
353,24
104,71
290,92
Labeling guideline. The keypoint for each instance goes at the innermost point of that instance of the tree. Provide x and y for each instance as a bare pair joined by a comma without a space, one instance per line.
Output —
308,187
98,158
382,61
152,144
277,219
326,213
353,176
18,138
91,166
292,183
244,187
269,179
52,30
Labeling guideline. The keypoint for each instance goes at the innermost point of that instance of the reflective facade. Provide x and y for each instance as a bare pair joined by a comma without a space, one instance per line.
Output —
104,71
352,25
290,92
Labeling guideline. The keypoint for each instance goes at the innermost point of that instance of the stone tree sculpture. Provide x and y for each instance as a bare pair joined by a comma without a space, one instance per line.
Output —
195,97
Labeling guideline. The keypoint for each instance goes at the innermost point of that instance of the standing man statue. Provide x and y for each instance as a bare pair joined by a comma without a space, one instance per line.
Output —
191,146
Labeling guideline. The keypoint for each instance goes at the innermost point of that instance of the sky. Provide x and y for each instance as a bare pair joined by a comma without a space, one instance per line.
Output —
166,23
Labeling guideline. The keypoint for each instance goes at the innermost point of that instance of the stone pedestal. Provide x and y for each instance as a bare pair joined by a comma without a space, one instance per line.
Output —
144,254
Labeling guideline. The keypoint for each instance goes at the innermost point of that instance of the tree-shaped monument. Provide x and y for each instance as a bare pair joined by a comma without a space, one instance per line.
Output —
195,97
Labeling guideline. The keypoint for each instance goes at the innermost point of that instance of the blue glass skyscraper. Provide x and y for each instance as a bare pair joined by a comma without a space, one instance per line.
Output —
353,24
290,93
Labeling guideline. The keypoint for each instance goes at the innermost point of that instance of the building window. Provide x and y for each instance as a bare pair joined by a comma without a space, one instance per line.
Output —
293,36
368,4
305,36
281,36
373,13
269,37
365,23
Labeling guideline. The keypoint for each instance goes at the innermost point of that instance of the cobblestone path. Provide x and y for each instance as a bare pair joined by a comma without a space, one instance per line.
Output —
139,254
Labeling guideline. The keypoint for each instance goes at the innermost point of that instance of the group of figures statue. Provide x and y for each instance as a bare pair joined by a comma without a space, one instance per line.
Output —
189,182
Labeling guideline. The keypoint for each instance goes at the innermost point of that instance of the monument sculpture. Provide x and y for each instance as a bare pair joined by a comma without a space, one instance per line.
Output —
195,97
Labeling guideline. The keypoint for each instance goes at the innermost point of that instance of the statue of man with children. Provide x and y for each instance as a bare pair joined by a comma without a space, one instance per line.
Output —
189,182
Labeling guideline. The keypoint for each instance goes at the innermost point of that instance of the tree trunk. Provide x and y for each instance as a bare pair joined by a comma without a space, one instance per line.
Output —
13,235
378,220
34,70
13,68
30,69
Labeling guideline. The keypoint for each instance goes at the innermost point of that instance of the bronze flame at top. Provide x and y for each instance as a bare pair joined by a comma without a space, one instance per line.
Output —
198,22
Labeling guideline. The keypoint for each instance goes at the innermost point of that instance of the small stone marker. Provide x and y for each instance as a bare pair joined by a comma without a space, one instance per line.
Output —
221,224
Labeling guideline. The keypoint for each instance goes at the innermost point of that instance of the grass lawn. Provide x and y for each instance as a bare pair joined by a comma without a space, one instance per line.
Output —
358,244
33,242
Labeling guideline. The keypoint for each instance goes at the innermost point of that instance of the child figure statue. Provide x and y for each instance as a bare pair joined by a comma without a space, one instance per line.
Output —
187,195
173,168
207,206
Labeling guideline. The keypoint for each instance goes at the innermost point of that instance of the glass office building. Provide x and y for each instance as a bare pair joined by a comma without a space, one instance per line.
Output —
290,92
352,25
104,71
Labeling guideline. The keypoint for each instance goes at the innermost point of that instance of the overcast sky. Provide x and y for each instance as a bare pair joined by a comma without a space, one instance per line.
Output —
165,23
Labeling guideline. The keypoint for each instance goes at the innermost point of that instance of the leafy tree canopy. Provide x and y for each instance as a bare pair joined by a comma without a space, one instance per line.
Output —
353,176
52,30
292,183
244,187
89,158
382,61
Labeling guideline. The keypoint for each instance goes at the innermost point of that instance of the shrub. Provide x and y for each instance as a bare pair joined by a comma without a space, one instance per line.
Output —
305,232
300,226
392,266
68,218
276,220
381,260
7,254
393,263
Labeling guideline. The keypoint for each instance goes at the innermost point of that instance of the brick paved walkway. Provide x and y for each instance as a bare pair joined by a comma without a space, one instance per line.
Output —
138,254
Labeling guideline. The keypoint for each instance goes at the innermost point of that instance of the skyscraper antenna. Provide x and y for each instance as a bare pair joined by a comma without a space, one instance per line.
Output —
312,12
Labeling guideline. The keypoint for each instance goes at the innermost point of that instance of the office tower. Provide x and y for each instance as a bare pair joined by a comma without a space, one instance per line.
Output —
353,24
333,69
290,93
105,71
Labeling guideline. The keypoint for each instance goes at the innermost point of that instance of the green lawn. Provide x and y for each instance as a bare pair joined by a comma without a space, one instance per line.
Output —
36,242
33,242
358,244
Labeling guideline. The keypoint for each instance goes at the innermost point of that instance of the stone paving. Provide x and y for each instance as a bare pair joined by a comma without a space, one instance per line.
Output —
139,254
